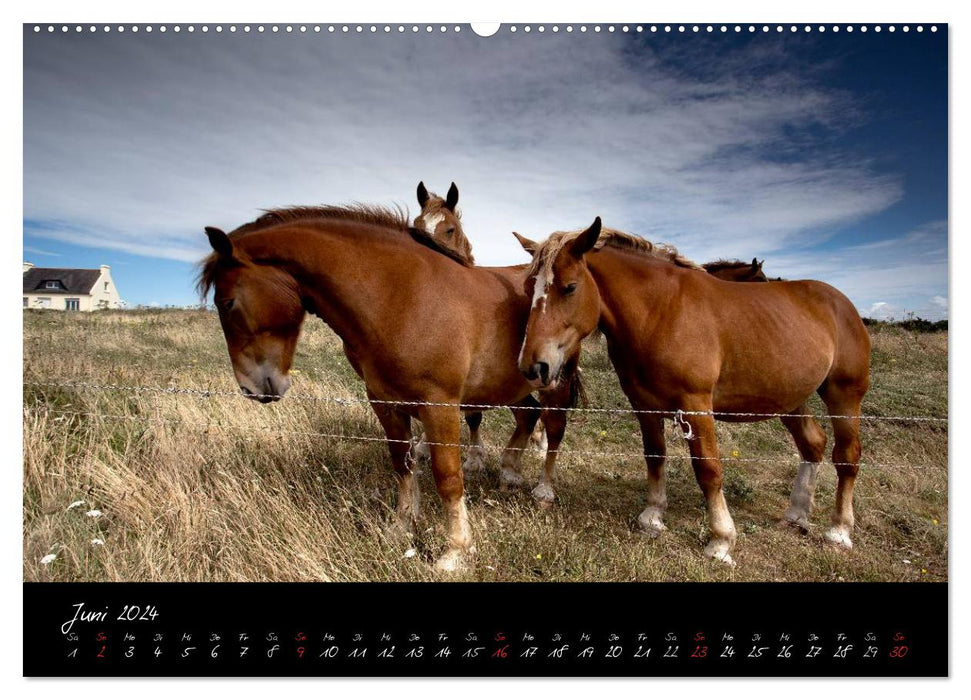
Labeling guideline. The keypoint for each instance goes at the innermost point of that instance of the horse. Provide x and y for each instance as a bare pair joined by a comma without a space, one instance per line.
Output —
419,325
689,346
440,219
736,270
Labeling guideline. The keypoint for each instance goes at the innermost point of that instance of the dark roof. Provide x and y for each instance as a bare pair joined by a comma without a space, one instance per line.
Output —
76,281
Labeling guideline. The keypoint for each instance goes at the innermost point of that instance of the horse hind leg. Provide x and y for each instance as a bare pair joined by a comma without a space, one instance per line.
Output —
810,440
418,449
539,440
475,460
844,405
397,428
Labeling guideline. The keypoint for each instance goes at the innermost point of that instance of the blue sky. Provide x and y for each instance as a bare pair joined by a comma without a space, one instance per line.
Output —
824,154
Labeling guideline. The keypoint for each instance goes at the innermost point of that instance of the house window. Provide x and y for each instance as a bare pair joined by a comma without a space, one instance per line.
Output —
43,302
25,302
72,304
106,286
52,284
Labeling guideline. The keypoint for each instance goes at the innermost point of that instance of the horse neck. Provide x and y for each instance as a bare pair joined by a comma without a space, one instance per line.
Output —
338,275
618,274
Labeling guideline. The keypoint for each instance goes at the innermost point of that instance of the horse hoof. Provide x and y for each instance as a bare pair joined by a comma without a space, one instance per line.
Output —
543,495
510,479
452,562
840,536
399,528
650,522
718,550
475,462
799,523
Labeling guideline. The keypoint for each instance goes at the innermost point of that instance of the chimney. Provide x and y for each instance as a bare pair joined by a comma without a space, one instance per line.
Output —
27,266
105,268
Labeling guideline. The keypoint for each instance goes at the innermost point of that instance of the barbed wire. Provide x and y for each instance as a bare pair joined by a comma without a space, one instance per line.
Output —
360,400
206,426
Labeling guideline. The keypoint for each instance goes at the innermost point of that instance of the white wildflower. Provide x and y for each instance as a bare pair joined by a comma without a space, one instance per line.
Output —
93,513
97,542
75,505
410,553
47,559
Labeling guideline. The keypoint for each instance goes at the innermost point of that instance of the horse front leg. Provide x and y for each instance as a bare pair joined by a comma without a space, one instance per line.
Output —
651,519
442,426
526,413
555,421
708,471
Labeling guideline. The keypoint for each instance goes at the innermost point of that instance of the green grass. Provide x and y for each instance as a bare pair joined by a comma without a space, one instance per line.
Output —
224,489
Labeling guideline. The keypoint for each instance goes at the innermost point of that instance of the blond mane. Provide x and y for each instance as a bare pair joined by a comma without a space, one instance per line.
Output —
549,250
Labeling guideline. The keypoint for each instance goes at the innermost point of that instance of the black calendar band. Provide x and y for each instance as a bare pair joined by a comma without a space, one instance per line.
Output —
486,629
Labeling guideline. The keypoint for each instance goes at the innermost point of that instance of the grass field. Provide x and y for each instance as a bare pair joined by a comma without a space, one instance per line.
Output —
219,488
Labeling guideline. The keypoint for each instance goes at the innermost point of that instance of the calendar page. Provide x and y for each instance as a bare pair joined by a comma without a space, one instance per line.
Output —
611,349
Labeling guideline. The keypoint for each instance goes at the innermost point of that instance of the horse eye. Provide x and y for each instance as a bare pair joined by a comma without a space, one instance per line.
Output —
450,230
228,304
570,288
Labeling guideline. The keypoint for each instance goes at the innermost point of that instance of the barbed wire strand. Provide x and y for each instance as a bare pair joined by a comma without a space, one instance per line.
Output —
207,393
492,448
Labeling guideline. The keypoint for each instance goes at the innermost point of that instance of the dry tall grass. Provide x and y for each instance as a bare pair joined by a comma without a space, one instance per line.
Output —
224,489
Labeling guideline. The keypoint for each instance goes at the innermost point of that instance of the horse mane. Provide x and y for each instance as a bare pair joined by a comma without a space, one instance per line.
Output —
361,213
718,265
548,251
375,215
430,241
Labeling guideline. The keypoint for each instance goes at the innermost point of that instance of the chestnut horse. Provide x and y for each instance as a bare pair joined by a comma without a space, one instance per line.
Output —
736,270
418,325
440,219
688,345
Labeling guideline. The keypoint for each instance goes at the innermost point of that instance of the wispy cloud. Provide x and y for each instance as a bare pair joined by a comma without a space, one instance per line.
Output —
39,251
134,144
888,277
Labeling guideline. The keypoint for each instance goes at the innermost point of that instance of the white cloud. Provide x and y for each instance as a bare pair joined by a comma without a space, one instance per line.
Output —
540,135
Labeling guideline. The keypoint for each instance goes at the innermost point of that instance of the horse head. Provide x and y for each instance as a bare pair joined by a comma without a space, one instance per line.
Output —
565,303
260,312
441,221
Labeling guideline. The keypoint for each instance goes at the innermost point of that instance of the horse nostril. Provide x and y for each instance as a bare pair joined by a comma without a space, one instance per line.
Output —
543,370
529,373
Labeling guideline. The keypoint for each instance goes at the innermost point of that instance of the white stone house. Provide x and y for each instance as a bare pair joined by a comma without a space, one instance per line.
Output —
68,289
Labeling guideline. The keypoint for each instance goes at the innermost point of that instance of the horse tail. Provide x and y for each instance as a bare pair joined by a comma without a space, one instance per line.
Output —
578,394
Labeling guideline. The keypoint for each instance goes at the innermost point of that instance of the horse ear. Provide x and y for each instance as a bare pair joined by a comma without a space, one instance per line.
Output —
452,198
422,195
761,262
528,245
220,242
586,240
755,262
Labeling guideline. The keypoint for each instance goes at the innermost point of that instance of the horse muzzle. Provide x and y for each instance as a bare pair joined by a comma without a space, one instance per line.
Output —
538,374
270,389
